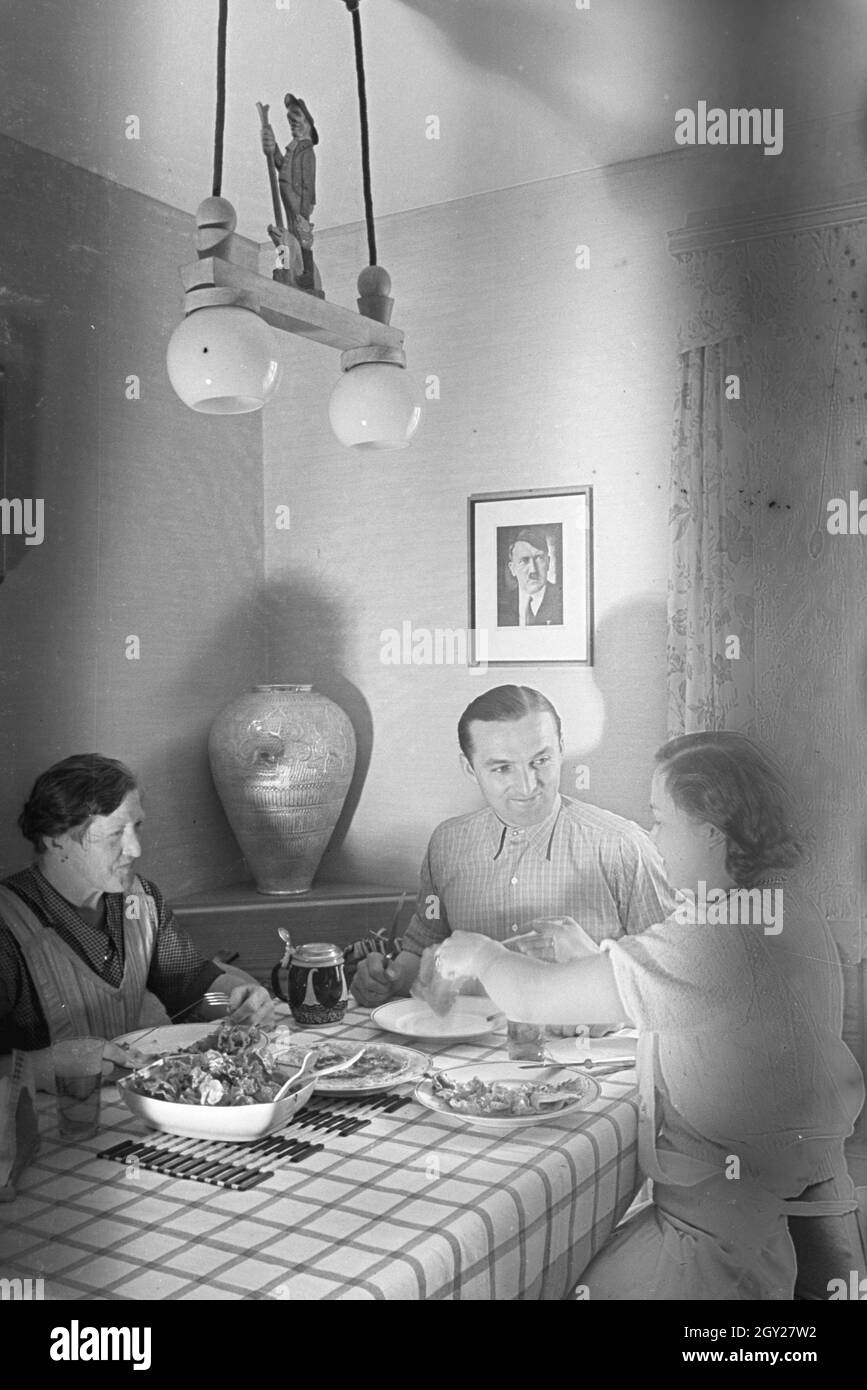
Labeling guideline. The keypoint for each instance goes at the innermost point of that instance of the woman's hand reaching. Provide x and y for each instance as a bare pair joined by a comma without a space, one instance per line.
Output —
557,939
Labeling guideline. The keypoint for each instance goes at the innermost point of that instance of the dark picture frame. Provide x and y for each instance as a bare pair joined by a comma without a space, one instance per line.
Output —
530,572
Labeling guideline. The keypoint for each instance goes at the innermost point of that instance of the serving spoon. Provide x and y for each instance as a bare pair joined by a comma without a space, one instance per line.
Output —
325,1071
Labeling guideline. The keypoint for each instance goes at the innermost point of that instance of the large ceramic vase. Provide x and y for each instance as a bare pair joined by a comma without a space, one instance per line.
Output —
282,758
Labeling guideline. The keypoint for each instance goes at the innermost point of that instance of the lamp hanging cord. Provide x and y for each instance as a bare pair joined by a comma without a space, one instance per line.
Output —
220,122
352,6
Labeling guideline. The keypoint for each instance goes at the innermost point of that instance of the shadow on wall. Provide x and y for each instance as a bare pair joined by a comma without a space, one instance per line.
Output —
184,809
182,805
631,677
308,641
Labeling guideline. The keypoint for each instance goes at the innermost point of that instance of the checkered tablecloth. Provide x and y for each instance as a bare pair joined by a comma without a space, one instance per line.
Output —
412,1207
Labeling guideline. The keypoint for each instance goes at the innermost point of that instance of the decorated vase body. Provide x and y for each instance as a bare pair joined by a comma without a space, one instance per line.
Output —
282,758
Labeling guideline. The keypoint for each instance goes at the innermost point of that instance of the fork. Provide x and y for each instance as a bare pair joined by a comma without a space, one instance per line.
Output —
599,1067
217,998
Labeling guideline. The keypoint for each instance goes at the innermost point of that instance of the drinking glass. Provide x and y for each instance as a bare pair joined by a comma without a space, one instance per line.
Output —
526,1041
77,1081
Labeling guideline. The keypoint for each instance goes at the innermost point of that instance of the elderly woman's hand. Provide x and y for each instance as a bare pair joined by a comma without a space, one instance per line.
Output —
252,1005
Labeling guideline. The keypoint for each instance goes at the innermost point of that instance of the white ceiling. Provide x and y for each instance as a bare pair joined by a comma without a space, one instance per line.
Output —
523,89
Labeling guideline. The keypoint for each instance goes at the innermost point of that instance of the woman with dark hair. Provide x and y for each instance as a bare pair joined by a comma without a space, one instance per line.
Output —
747,1089
83,939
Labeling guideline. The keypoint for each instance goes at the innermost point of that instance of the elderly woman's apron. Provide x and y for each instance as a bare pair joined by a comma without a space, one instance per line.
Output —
74,1000
705,1236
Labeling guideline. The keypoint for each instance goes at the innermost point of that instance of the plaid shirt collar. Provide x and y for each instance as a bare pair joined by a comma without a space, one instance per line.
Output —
538,838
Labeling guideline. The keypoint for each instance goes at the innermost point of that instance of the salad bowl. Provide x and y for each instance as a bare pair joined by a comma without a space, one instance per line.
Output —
233,1124
224,1088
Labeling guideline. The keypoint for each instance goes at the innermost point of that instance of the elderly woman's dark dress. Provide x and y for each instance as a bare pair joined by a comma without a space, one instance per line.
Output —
66,971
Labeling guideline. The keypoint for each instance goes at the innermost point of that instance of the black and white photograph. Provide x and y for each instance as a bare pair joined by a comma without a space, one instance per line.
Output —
528,592
433,672
531,568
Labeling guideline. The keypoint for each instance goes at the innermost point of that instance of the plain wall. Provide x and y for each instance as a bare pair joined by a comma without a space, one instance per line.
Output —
549,376
153,516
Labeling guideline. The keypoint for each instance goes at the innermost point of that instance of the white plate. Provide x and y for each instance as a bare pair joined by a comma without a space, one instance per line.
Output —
172,1037
507,1072
409,1064
470,1018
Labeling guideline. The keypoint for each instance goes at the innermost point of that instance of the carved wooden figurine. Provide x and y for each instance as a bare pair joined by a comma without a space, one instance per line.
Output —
296,184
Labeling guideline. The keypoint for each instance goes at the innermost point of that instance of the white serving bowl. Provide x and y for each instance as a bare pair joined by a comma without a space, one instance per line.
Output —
234,1124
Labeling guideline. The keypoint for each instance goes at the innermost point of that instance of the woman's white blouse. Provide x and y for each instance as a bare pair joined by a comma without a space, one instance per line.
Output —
750,1059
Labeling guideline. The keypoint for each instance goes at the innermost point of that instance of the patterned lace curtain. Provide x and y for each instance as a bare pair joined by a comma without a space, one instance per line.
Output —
710,596
751,556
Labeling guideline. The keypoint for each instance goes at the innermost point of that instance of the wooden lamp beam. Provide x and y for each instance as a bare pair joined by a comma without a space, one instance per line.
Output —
292,310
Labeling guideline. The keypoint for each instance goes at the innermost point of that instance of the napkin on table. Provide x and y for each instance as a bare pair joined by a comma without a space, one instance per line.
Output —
19,1131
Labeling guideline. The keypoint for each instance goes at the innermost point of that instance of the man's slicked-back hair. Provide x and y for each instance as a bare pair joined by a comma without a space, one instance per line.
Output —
71,793
725,779
502,705
534,536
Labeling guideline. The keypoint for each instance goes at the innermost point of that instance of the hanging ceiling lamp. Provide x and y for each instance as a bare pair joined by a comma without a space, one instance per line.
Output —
222,359
375,404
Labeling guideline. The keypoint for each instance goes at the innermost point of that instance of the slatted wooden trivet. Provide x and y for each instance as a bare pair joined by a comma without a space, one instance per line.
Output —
240,1166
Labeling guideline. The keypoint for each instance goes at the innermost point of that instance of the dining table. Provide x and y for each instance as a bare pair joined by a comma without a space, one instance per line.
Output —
409,1205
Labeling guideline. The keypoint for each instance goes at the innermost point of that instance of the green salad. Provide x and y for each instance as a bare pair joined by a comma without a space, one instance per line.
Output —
232,1068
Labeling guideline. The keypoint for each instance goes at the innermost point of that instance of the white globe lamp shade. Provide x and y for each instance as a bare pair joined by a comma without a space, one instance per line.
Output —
222,360
375,405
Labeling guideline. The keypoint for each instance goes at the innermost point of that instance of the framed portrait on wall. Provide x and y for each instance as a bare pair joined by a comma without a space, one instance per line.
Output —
531,577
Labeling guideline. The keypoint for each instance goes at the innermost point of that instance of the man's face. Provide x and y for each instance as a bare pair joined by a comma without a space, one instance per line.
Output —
517,766
104,858
529,566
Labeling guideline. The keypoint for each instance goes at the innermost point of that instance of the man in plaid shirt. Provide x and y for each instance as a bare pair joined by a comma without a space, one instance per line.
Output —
83,939
530,854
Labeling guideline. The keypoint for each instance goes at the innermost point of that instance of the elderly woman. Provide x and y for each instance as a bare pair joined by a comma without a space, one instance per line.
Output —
747,1089
82,938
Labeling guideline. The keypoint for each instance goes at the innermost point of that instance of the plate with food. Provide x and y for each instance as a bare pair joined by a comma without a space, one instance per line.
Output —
499,1096
411,1018
380,1065
222,1087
